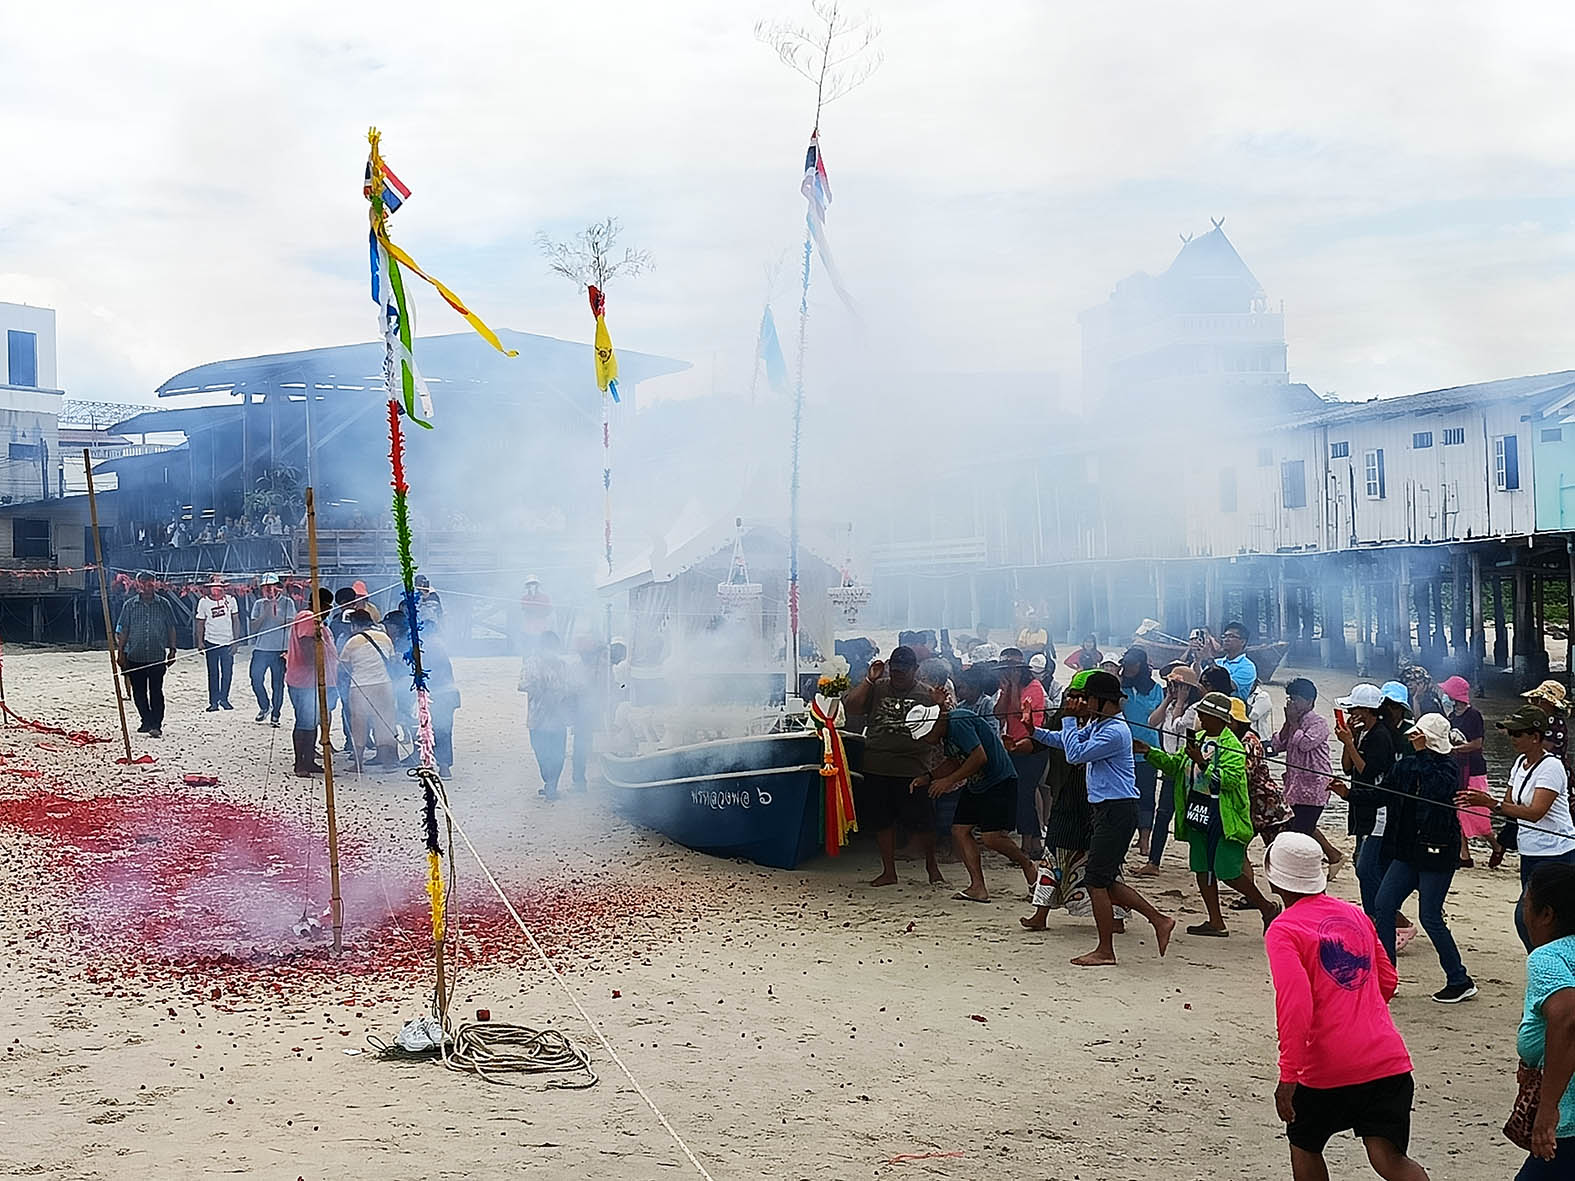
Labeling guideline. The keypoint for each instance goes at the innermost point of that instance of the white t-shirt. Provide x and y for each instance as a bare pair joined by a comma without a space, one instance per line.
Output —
218,619
367,655
1260,713
1554,833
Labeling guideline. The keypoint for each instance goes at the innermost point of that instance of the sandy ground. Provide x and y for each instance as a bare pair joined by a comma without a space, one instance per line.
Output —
790,1024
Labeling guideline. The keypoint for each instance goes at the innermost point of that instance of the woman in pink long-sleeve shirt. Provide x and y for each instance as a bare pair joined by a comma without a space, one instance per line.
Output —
1343,1064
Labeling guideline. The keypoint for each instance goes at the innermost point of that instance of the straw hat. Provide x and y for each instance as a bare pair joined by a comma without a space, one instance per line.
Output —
1184,674
1552,692
1296,864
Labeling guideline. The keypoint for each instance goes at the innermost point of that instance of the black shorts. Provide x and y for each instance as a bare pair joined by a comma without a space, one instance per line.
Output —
1115,823
883,800
992,810
1380,1108
1305,818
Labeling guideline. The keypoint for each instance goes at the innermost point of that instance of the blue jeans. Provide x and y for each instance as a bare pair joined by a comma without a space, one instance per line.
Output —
1370,869
1528,866
265,665
1030,770
1560,1167
221,667
1147,779
1400,880
550,745
1164,820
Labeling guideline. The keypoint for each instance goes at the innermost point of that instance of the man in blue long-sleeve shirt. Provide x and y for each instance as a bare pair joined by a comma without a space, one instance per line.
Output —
1101,742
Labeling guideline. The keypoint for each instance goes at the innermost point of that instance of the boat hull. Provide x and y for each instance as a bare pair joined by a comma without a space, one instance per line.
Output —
759,798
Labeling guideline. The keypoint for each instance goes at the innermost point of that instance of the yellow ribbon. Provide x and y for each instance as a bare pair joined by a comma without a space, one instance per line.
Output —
435,895
453,300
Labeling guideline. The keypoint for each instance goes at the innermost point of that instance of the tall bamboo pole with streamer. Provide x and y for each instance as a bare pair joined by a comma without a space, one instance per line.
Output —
325,737
103,597
837,54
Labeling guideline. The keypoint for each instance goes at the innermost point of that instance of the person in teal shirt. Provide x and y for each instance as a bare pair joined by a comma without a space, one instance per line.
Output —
1243,672
1547,1024
1144,693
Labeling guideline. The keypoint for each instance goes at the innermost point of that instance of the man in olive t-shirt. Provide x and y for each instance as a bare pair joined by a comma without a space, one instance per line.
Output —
894,755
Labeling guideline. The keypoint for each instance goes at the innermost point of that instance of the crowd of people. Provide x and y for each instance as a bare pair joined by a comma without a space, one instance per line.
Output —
365,656
964,752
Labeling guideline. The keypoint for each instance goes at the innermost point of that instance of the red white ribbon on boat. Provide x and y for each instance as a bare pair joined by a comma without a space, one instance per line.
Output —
840,816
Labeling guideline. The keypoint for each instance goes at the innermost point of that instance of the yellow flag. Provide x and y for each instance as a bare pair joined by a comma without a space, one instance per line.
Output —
606,359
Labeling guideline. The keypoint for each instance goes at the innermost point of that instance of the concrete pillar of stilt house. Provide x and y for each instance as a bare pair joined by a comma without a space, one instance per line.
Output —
1478,636
1161,604
1364,621
1331,644
1522,626
1402,625
1457,610
1500,632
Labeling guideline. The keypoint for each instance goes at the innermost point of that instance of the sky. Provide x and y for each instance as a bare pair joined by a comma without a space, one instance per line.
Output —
184,180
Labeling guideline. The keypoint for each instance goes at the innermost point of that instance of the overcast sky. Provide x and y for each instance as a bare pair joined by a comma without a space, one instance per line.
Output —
183,181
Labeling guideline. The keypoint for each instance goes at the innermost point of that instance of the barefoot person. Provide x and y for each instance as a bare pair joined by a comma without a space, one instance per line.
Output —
1343,1065
1104,745
979,769
1061,884
1213,810
893,758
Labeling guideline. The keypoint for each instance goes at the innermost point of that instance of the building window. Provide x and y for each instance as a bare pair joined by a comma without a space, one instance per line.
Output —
1421,440
1506,463
1293,483
1227,490
1265,457
1339,450
1373,466
29,538
1454,436
21,357
1552,434
23,451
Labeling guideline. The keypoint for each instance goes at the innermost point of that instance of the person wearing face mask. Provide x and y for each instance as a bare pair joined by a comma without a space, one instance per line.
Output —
1538,798
272,615
216,637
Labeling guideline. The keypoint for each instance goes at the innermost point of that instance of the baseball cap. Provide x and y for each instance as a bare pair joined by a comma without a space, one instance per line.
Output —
1526,719
903,656
1396,692
1036,662
358,586
1080,679
1216,705
1102,686
423,580
270,579
1363,696
1296,864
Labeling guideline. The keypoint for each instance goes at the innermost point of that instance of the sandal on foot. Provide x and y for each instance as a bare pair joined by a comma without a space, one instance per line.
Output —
1207,931
960,896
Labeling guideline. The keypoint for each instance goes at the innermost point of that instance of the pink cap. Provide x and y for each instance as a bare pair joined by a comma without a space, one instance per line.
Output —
1457,689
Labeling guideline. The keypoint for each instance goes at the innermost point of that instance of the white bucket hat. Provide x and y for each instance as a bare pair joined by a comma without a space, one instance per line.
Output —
1296,864
1362,696
1435,728
922,718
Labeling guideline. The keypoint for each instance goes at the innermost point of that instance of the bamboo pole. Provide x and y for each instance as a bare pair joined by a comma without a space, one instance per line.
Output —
324,733
103,596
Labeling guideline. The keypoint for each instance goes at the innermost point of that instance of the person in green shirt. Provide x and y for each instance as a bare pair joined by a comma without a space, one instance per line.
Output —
1213,811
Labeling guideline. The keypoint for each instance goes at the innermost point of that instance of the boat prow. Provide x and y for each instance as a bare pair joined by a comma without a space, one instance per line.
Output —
757,797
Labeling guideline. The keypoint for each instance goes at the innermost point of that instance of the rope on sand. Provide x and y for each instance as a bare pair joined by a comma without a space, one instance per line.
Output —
573,999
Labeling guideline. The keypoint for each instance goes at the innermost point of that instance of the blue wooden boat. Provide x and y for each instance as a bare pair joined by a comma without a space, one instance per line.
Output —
759,797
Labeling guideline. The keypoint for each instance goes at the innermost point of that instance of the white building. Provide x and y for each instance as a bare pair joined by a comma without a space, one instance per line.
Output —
30,401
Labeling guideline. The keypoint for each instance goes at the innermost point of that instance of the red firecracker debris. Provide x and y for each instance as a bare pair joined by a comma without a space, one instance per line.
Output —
978,1018
200,780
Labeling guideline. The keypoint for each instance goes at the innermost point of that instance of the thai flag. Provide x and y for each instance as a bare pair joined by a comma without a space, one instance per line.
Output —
816,187
394,190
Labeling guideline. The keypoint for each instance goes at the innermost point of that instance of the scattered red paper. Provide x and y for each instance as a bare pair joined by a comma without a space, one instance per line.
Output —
25,773
80,737
200,780
979,1019
139,761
